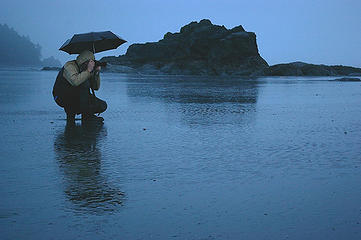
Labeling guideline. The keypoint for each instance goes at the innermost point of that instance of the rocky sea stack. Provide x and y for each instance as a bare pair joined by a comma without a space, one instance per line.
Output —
200,48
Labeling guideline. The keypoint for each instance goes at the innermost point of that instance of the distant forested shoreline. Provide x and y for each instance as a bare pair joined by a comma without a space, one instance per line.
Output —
17,50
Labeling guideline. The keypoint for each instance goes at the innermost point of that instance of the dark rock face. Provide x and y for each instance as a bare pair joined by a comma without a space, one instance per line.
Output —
200,48
304,69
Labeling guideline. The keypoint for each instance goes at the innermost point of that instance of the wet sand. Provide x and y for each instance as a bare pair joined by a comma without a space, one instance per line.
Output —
182,158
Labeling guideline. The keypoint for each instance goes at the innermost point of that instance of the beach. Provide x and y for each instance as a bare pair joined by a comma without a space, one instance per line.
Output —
182,157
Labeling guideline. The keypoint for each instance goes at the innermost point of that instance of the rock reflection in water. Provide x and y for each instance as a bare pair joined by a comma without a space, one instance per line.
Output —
200,100
79,158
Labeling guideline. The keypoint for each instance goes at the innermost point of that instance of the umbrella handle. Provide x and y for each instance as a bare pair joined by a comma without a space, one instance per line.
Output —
92,87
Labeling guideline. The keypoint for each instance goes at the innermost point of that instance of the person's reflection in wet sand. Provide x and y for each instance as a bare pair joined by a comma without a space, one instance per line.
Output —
80,163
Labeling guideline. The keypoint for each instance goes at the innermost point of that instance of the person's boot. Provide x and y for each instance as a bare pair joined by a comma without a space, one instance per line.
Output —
91,118
70,117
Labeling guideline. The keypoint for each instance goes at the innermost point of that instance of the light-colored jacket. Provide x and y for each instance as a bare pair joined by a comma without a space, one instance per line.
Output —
75,77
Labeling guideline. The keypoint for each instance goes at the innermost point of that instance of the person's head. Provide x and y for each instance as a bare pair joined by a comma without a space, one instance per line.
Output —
84,57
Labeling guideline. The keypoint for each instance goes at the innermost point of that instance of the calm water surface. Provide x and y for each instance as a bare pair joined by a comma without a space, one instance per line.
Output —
182,158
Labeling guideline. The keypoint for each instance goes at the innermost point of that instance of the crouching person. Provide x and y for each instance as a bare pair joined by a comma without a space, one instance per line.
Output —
72,89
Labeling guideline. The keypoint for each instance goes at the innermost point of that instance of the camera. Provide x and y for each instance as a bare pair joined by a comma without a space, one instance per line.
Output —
101,64
84,66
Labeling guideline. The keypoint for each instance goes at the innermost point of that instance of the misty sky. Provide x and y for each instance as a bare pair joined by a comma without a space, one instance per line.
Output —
318,31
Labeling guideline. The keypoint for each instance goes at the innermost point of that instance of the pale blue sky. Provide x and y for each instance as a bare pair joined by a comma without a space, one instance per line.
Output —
319,31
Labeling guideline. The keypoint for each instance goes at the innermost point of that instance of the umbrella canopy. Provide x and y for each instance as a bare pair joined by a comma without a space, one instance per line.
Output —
93,41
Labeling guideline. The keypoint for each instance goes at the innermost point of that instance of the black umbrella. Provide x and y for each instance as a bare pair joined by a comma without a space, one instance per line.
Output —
93,41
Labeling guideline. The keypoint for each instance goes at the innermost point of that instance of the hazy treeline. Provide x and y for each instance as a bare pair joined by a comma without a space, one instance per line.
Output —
16,49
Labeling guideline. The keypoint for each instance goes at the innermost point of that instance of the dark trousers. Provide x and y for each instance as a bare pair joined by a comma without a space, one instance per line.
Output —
85,103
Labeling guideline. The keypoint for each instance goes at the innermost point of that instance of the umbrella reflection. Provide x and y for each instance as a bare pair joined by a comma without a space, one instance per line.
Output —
79,159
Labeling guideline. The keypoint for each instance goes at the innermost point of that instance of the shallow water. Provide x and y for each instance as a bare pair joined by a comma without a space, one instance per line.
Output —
182,158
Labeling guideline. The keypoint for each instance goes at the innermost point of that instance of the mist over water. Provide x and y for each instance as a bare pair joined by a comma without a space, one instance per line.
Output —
182,158
314,32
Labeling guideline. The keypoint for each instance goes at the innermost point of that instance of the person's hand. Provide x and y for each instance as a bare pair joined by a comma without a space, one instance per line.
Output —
91,65
98,69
